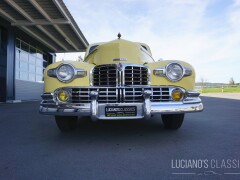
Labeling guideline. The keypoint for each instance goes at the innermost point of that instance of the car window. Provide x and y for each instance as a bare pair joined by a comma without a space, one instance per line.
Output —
147,55
144,47
92,49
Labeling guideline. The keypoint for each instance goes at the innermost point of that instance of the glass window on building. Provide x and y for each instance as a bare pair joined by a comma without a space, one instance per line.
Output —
30,62
17,63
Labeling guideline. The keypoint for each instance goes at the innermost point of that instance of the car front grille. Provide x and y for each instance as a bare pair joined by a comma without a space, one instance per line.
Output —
110,75
136,75
159,94
120,95
106,95
105,75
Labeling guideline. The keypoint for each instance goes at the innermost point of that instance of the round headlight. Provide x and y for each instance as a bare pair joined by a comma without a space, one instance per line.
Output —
174,71
65,73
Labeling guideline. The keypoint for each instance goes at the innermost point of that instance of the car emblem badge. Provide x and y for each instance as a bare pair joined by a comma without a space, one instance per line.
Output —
119,67
120,59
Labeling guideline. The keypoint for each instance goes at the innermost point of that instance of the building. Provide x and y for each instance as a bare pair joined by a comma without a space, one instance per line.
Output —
31,32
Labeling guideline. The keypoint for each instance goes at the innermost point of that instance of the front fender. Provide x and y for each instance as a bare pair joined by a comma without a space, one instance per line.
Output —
187,82
52,83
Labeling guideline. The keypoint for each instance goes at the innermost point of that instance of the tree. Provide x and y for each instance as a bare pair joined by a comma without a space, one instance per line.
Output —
203,82
231,81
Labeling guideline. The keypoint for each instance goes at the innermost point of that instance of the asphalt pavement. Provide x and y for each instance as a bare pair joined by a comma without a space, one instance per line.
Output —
224,95
31,146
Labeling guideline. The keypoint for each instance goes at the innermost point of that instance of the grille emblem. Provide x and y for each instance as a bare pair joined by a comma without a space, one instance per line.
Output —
119,67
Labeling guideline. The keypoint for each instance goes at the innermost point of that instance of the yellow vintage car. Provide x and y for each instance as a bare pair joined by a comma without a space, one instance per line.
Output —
119,80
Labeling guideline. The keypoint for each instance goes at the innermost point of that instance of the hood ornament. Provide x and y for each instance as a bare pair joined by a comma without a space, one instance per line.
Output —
119,35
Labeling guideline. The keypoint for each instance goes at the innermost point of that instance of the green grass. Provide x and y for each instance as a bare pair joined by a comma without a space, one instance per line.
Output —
219,90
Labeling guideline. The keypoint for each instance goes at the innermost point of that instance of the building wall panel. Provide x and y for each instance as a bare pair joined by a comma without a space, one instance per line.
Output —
27,90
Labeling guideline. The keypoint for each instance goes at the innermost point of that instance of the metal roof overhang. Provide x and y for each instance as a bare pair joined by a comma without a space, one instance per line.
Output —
48,21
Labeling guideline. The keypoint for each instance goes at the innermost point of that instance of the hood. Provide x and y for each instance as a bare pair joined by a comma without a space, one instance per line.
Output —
119,51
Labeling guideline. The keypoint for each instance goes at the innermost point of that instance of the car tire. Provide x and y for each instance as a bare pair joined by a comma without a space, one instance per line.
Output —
172,121
66,123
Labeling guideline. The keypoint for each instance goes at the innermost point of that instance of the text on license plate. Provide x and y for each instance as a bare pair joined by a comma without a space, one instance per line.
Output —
120,111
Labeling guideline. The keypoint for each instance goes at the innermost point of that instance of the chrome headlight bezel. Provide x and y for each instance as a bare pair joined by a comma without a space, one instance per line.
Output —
76,72
162,72
65,79
168,74
57,95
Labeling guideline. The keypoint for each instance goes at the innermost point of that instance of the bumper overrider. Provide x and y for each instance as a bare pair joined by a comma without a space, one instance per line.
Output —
144,107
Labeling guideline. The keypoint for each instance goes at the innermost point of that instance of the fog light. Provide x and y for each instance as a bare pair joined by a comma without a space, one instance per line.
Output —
63,95
177,94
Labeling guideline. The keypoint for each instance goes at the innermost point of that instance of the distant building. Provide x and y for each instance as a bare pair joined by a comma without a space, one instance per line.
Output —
31,32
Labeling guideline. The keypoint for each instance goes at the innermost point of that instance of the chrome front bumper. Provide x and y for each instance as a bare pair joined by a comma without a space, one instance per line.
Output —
191,103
